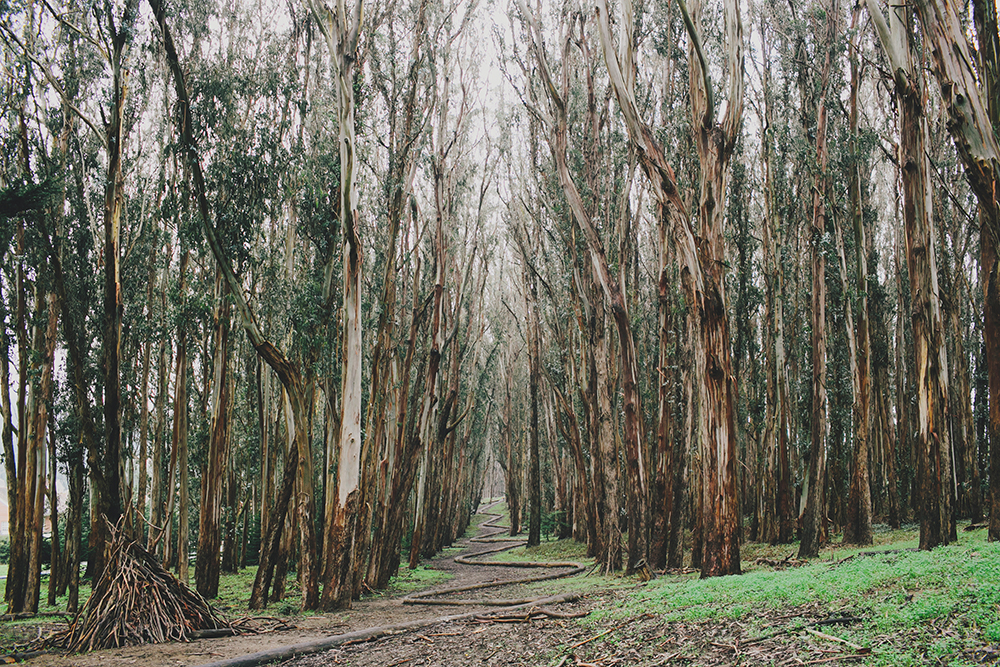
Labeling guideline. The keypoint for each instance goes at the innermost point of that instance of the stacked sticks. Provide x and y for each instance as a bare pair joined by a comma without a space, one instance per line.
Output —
137,601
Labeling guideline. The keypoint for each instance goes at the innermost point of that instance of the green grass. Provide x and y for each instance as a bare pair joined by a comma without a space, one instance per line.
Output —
548,550
918,606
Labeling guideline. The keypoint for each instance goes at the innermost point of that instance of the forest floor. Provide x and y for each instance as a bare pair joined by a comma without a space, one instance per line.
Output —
882,605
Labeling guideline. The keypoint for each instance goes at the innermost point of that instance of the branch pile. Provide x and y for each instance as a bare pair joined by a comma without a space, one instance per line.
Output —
136,601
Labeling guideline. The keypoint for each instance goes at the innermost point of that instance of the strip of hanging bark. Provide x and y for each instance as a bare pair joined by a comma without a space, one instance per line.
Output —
135,602
368,634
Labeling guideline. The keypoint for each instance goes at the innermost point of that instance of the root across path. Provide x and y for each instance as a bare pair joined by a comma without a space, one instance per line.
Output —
444,596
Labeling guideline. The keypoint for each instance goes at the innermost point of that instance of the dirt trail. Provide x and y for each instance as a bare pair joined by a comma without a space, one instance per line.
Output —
501,584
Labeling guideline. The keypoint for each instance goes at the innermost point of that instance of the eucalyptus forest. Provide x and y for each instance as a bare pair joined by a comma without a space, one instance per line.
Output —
295,286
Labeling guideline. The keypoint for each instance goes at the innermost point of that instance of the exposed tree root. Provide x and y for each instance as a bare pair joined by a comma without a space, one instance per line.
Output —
433,597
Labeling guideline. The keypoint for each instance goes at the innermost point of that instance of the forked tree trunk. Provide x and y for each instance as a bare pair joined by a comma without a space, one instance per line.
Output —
703,287
715,143
930,358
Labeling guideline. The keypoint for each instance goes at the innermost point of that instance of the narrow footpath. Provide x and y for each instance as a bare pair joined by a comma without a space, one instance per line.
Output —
477,590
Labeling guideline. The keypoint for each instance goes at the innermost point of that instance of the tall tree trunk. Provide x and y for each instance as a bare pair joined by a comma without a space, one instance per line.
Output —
534,379
703,287
207,565
716,142
637,487
10,460
402,157
779,515
814,530
986,21
286,371
341,30
109,488
32,501
858,529
73,535
147,348
55,556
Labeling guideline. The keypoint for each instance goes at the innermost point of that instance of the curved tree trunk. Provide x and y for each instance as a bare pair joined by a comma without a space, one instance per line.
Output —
286,371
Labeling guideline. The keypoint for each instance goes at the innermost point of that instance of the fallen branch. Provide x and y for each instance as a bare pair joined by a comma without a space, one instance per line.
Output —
787,561
30,614
834,658
532,614
861,650
598,636
836,620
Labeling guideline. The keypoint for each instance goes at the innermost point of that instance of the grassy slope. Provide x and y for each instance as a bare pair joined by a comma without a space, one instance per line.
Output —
917,606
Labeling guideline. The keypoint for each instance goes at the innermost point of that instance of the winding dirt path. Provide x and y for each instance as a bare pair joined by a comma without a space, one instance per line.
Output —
504,582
